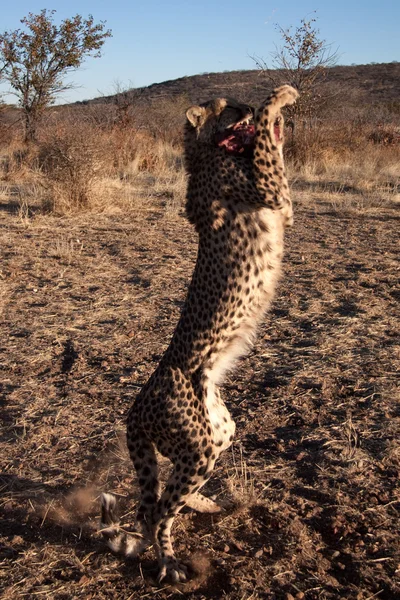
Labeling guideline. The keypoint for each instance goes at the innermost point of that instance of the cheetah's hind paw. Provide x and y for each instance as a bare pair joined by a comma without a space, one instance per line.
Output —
172,570
202,504
128,543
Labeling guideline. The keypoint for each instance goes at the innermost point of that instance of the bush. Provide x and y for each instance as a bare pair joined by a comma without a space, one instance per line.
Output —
385,135
18,162
71,160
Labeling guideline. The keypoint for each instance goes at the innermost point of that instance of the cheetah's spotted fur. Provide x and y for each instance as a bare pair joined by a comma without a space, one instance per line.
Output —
239,202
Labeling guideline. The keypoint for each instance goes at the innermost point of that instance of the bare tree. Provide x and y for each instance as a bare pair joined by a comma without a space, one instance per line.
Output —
37,59
302,60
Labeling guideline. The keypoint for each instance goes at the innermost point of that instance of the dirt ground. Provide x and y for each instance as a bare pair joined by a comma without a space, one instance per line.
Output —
310,489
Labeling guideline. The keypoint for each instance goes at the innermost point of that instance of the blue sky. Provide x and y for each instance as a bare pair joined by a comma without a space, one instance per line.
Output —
154,41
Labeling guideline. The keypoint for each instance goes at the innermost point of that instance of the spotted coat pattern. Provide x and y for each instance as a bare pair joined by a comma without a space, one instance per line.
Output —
239,206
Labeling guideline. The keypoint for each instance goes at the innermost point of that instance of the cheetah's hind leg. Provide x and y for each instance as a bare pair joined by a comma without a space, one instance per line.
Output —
123,542
179,489
202,504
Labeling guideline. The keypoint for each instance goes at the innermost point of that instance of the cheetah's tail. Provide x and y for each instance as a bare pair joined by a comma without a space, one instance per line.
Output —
120,541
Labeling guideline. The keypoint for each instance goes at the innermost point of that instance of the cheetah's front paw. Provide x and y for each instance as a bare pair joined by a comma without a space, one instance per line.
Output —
172,570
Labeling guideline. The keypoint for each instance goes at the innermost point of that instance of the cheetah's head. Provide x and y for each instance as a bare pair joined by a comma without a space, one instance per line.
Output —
224,123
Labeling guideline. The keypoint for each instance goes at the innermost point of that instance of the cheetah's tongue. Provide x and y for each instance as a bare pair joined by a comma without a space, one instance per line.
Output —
238,140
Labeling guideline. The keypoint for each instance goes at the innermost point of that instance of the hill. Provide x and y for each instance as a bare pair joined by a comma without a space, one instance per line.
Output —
368,84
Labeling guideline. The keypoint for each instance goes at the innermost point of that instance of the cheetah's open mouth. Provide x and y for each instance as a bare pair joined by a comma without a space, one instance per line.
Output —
238,139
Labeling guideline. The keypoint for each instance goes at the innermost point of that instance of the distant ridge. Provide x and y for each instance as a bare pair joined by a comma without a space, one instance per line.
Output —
366,84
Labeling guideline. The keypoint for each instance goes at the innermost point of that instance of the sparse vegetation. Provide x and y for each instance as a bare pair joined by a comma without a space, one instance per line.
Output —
302,59
71,161
136,145
36,60
90,293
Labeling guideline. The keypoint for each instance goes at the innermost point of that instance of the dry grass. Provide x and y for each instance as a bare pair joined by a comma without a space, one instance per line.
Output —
345,163
84,162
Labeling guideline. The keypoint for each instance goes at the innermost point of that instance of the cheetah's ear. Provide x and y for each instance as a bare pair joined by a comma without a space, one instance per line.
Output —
196,115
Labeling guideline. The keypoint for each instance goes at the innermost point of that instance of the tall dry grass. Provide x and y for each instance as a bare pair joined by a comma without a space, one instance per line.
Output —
340,161
88,158
89,161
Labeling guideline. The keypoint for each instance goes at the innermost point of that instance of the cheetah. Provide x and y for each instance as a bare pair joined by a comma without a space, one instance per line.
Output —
238,200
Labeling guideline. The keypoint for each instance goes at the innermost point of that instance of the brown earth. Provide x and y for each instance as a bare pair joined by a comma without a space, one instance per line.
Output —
311,488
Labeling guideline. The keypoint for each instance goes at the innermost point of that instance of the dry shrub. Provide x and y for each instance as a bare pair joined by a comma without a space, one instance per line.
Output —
6,134
9,125
313,142
71,159
85,166
343,153
127,146
123,144
19,162
386,135
157,169
164,118
156,156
